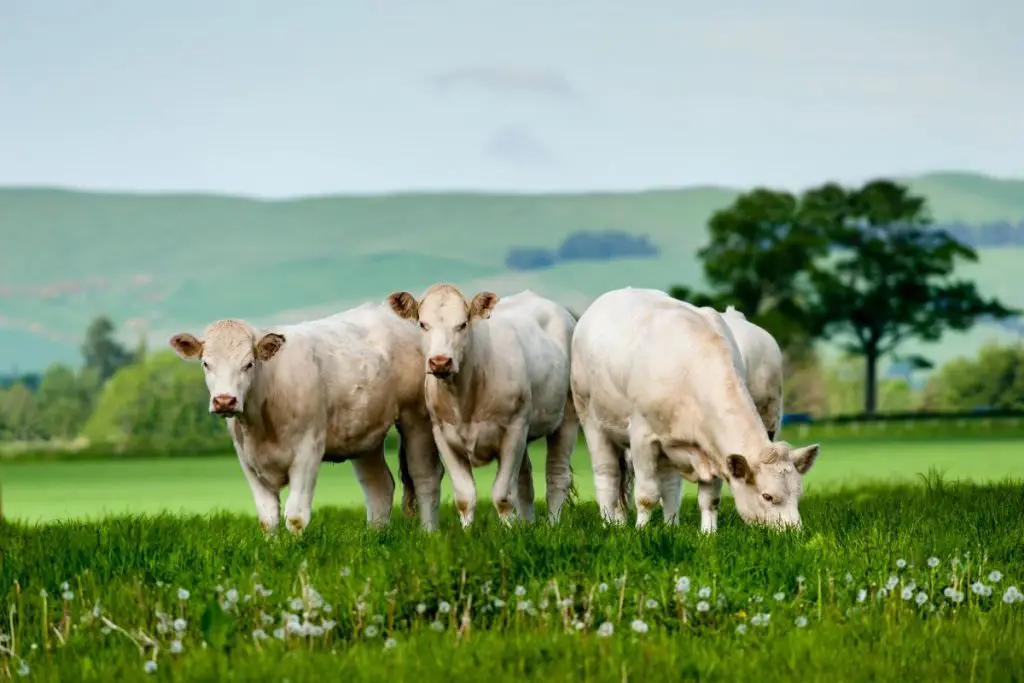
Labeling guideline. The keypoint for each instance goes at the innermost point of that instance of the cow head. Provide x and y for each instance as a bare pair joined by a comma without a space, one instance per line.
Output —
446,322
768,491
230,353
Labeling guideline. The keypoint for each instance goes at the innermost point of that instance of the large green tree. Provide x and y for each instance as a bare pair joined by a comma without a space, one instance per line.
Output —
860,266
890,276
994,379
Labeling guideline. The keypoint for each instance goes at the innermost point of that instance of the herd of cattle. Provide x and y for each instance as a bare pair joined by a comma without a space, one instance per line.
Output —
662,389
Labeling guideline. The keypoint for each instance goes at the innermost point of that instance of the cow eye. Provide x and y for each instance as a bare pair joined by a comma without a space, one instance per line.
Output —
206,366
248,366
460,327
768,497
424,326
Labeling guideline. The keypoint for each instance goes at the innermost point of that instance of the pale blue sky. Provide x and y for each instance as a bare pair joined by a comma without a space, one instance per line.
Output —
279,98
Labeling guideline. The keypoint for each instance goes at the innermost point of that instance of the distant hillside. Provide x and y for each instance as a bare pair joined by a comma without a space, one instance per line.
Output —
171,262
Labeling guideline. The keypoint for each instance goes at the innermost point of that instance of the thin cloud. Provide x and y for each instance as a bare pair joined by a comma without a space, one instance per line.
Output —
507,79
518,146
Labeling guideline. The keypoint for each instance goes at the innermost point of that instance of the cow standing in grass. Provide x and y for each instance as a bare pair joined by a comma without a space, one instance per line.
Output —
497,378
667,381
323,390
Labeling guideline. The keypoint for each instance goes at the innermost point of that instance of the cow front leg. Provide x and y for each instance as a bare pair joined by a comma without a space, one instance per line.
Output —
378,486
709,496
268,503
510,461
461,473
298,508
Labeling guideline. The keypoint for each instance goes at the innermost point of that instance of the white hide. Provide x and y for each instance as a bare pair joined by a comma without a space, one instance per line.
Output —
500,380
666,380
329,390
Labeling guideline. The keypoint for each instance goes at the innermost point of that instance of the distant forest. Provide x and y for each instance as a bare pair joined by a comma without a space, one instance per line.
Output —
997,234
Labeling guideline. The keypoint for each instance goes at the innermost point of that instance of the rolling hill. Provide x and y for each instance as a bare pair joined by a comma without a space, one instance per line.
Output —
163,263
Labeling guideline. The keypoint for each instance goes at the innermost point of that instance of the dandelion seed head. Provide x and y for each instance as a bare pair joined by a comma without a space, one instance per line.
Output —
907,593
231,595
371,631
933,562
995,576
704,592
279,633
602,587
149,667
259,634
703,606
921,598
1012,595
652,603
183,594
176,647
520,591
683,584
901,563
780,596
801,621
180,624
390,643
849,577
436,626
639,626
67,595
443,607
64,586
741,629
862,595
606,629
345,571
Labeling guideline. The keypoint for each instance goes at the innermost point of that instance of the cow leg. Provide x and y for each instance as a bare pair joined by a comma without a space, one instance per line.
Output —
558,470
510,461
525,492
671,484
424,469
604,459
298,508
645,454
709,496
461,473
268,504
378,485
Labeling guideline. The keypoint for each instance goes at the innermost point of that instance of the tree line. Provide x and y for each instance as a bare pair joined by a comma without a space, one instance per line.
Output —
861,266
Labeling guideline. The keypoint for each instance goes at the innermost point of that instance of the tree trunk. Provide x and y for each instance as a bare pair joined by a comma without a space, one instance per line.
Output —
870,380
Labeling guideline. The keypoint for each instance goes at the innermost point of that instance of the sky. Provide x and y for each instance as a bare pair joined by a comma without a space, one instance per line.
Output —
366,96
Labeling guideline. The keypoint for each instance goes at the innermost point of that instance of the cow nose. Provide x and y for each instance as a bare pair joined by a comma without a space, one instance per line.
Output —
440,364
224,403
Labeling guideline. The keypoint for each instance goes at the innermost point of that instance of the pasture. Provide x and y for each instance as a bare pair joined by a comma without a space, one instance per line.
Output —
909,566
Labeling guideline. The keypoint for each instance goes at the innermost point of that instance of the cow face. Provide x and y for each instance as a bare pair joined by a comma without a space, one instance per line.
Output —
230,354
445,319
769,492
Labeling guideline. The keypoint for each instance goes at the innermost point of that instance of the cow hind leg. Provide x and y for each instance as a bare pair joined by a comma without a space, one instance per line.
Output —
645,454
378,485
605,459
558,469
525,493
424,471
671,484
302,475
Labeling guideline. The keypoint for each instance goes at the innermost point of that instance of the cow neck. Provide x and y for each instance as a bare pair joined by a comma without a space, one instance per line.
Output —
463,389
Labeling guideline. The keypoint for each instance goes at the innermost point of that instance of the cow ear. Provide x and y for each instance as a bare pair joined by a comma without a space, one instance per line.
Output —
482,305
269,345
404,305
739,468
803,458
186,346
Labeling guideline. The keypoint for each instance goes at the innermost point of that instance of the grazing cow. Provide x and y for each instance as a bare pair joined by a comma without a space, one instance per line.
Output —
322,390
762,365
497,378
666,380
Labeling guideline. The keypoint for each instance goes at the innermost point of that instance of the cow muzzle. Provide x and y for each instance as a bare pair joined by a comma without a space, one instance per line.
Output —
224,405
440,366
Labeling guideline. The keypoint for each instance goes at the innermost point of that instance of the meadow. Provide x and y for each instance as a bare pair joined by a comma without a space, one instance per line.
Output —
909,566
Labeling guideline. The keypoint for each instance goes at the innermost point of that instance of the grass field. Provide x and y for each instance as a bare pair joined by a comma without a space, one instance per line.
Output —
914,579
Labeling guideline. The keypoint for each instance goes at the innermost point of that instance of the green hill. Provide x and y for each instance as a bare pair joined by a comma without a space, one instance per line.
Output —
175,261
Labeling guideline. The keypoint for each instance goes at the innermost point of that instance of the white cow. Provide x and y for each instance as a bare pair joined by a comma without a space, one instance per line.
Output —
762,367
322,390
666,381
497,378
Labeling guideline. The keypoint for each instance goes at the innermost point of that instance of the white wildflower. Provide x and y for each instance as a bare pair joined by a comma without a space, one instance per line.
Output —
606,629
639,626
183,594
978,588
703,606
862,595
780,596
390,643
741,629
180,624
68,595
704,592
176,647
443,607
652,603
921,598
602,587
1012,595
437,626
371,631
231,595
683,584
756,620
901,564
149,667
520,591
933,562
995,576
801,621
907,593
